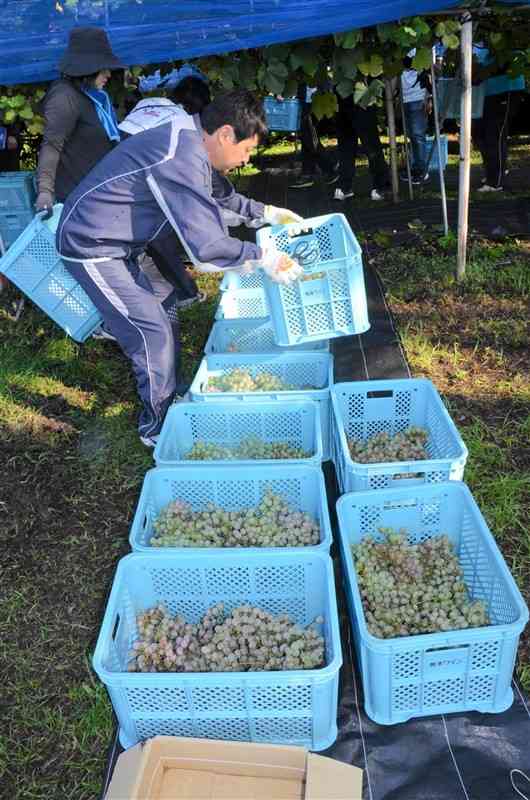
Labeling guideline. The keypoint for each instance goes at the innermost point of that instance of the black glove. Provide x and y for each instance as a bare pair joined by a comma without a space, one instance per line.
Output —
44,202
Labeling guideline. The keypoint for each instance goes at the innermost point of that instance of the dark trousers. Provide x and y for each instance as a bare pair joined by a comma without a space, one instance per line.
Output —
353,124
490,134
313,153
142,327
164,250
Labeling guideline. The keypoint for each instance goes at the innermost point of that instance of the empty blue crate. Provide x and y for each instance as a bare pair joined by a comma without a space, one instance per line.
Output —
251,335
282,115
329,300
17,198
450,94
360,410
17,191
310,375
235,280
33,264
236,489
297,707
444,672
239,303
229,424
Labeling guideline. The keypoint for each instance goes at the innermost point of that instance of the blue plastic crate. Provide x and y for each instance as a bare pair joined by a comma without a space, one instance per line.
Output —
235,489
283,115
432,151
17,191
449,94
251,335
297,369
235,280
296,707
435,673
226,424
33,264
242,303
13,223
359,410
330,299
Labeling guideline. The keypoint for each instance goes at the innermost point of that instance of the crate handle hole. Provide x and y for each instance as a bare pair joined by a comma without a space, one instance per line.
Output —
399,477
375,395
116,626
296,232
447,648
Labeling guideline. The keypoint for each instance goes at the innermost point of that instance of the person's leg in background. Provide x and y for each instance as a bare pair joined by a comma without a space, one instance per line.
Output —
309,149
142,328
164,250
347,147
416,121
366,123
499,110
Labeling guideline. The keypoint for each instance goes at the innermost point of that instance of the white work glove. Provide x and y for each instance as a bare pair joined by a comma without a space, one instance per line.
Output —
280,267
280,216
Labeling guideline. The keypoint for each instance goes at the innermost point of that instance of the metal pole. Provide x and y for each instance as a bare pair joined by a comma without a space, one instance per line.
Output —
391,117
466,52
405,139
438,144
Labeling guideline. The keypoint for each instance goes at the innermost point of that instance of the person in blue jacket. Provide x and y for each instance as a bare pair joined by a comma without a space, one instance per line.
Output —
161,177
491,131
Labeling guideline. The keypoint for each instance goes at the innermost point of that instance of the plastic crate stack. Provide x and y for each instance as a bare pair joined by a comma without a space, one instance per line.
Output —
17,199
223,428
436,673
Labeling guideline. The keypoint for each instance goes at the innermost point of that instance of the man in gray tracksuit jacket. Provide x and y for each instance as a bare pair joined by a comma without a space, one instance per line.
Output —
159,177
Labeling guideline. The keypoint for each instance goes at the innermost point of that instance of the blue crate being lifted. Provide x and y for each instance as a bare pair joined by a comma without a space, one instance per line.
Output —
329,300
33,264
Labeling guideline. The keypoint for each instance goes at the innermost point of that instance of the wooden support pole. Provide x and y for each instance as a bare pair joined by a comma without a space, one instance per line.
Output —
466,52
406,140
391,118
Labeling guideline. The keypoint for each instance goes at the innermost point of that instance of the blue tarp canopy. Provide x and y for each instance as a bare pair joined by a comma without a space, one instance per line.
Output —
35,32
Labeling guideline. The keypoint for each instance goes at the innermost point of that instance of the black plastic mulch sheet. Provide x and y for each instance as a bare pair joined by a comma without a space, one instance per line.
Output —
457,757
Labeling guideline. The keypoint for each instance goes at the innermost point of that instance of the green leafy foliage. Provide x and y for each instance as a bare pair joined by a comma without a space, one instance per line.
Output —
324,104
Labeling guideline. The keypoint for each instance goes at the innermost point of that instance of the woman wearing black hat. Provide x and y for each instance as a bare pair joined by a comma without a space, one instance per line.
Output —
80,123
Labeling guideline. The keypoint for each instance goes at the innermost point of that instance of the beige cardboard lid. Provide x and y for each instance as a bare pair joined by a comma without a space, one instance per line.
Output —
170,768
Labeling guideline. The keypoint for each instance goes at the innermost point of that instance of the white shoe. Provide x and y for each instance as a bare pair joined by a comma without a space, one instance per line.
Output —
200,297
149,441
340,195
487,188
103,333
375,195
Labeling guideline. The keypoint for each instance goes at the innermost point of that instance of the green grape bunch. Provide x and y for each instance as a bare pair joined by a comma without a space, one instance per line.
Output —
272,523
410,445
407,589
241,380
246,639
249,448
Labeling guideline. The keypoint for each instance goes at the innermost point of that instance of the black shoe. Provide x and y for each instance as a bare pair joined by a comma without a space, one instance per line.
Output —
303,181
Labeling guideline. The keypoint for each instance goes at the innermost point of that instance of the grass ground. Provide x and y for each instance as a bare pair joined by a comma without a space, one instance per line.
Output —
72,468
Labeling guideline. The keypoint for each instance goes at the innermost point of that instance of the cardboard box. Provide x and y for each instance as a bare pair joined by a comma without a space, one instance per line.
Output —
171,768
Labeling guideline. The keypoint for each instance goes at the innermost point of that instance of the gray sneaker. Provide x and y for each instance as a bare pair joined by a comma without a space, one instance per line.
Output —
103,333
149,441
